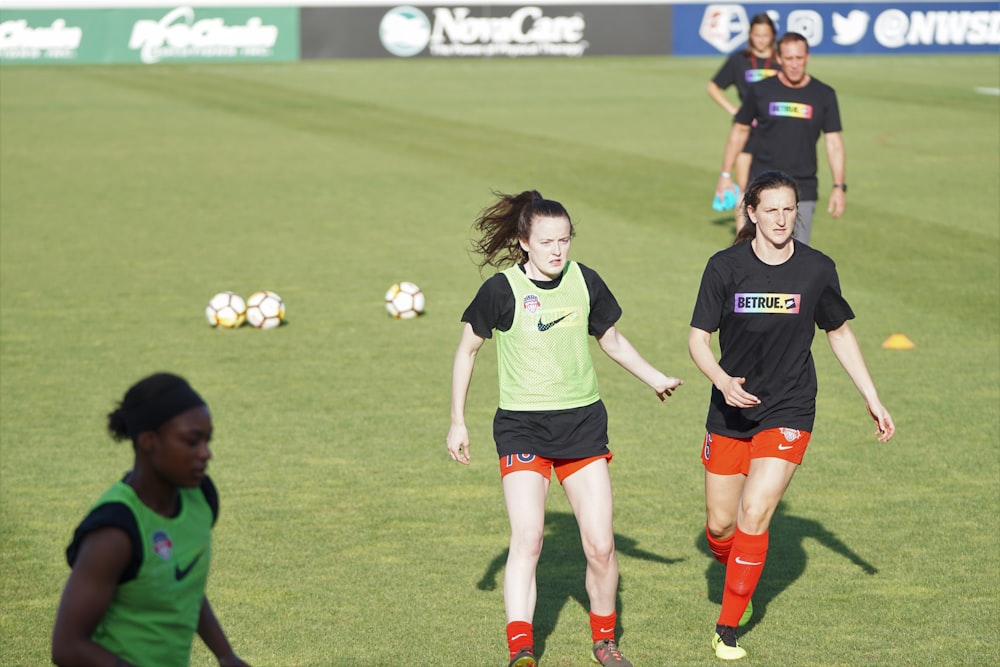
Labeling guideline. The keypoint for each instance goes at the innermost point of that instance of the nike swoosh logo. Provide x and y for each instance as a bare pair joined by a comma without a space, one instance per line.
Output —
744,562
549,325
516,637
608,630
784,447
180,574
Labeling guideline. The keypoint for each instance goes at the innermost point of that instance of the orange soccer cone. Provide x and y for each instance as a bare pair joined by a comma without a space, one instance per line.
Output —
898,342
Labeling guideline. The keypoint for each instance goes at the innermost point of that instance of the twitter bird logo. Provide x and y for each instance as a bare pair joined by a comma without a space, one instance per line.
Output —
848,30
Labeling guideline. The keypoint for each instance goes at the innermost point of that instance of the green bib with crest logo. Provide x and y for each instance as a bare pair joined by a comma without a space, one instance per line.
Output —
152,619
544,358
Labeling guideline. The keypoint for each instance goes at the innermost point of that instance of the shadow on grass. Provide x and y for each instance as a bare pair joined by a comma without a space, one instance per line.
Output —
728,221
560,576
786,559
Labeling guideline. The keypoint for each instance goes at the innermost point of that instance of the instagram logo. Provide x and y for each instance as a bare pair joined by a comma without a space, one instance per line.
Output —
807,23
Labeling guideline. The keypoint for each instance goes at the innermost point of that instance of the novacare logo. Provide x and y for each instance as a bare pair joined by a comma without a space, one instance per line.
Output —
404,31
18,40
178,35
527,31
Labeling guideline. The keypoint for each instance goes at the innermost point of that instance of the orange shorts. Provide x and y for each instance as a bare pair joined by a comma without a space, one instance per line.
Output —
723,455
543,466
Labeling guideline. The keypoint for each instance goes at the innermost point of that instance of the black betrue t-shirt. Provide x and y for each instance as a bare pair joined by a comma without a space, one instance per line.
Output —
767,317
741,70
789,123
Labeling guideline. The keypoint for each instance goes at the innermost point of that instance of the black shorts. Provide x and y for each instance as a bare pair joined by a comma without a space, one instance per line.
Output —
556,434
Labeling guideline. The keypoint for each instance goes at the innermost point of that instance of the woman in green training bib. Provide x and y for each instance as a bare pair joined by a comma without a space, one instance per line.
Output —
140,558
543,309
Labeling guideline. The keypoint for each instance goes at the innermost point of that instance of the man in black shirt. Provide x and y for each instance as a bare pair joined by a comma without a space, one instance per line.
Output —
791,110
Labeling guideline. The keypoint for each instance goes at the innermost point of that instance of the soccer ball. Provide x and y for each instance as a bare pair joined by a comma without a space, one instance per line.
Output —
404,301
226,310
265,310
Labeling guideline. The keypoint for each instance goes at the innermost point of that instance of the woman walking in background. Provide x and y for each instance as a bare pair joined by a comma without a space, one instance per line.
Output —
543,307
765,295
742,68
136,593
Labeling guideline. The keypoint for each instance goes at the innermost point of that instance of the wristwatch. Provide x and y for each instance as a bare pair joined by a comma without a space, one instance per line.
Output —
842,186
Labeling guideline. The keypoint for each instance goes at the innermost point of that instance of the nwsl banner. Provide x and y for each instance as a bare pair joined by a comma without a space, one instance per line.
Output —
887,28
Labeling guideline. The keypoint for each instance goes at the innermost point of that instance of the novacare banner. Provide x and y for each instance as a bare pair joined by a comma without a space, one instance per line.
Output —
842,28
528,30
178,34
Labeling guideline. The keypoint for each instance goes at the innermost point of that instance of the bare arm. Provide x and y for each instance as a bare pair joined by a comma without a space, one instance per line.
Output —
699,346
616,346
461,378
845,348
737,140
720,98
835,155
211,633
103,557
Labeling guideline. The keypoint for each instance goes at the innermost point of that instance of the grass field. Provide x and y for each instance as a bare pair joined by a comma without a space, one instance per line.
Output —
130,195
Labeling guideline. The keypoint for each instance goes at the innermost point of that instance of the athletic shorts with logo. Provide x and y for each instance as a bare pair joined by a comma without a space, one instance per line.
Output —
544,466
723,455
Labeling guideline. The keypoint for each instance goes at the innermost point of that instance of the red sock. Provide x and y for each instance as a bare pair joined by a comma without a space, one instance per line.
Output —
720,548
603,627
746,562
519,635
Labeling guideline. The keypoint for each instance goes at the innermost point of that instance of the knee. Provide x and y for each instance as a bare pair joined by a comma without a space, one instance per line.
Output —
526,543
754,519
601,551
720,525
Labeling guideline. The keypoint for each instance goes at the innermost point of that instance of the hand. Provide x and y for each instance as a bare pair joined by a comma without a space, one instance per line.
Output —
458,443
838,202
666,386
722,185
732,391
884,427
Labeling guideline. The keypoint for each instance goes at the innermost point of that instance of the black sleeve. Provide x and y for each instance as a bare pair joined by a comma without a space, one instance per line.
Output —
708,307
211,496
726,77
110,515
492,308
831,119
832,310
747,112
604,308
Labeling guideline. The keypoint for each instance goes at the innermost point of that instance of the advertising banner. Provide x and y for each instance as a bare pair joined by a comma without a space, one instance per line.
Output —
501,31
842,28
54,37
178,34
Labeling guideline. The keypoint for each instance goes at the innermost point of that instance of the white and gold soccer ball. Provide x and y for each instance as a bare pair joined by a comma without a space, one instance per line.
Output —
265,310
404,301
226,310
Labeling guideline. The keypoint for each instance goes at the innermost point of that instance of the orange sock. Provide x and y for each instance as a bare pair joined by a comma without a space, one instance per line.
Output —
519,635
746,562
720,548
603,627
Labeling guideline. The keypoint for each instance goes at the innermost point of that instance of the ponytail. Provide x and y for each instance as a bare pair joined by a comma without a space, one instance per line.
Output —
508,221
